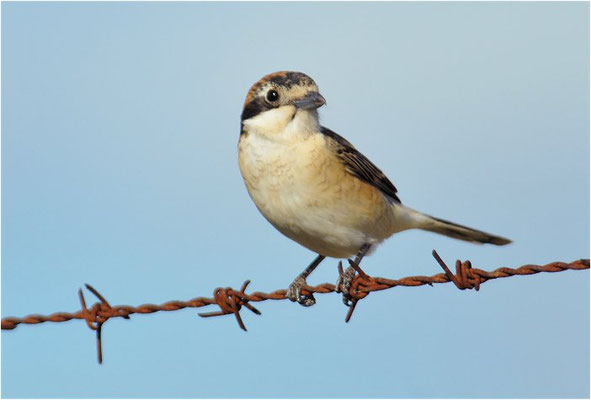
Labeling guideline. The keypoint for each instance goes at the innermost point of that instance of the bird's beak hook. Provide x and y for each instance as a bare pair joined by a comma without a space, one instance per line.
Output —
311,101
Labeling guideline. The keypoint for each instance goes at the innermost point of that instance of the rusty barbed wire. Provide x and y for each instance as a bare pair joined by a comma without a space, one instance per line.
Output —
231,301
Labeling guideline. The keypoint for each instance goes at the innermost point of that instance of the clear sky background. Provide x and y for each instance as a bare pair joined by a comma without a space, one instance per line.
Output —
119,168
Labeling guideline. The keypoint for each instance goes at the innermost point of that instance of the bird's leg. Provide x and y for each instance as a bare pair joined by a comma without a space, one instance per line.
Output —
294,291
344,282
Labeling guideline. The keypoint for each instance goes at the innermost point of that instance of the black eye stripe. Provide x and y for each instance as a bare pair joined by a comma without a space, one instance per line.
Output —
254,108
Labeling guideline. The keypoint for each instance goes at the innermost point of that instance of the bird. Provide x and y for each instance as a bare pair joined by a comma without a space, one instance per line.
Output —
315,187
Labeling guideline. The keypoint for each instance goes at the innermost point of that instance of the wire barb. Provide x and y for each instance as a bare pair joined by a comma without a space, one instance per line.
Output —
464,277
231,301
97,315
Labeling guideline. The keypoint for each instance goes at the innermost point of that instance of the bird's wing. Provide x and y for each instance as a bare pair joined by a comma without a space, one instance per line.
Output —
359,166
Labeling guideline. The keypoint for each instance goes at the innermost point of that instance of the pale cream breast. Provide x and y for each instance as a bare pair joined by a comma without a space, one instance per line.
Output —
303,189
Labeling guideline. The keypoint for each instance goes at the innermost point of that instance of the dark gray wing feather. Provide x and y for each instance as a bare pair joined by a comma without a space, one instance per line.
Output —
360,166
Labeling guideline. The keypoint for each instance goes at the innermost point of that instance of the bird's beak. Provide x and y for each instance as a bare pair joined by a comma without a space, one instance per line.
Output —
311,101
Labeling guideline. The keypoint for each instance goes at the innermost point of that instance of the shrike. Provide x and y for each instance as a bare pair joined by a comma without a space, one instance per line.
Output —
314,186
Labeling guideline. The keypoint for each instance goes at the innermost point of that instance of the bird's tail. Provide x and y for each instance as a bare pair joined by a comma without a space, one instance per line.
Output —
451,229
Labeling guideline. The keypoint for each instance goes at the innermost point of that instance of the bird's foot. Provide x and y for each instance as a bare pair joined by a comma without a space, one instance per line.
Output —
344,285
294,292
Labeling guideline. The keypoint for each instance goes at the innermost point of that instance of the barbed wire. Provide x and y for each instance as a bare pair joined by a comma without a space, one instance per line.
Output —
231,301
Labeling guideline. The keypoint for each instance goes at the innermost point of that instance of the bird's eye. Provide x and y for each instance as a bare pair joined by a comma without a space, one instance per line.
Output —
272,96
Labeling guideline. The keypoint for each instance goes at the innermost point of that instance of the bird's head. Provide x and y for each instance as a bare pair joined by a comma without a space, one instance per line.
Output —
276,99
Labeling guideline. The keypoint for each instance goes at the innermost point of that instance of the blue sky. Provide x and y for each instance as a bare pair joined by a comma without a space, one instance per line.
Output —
119,168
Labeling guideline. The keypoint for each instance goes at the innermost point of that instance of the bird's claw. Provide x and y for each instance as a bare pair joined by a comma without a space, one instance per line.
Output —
294,292
344,285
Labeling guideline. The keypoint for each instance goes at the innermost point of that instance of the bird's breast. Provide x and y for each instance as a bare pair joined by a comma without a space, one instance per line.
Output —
284,175
305,192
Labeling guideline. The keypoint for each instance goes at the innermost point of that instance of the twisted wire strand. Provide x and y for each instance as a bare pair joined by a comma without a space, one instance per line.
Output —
231,301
